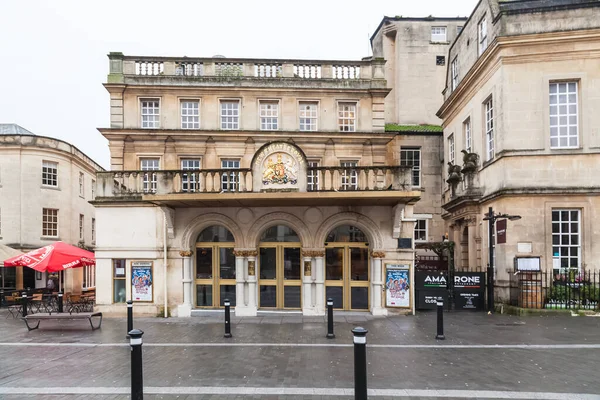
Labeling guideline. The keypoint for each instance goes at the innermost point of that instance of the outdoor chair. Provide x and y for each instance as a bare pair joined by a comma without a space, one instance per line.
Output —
76,304
13,306
37,302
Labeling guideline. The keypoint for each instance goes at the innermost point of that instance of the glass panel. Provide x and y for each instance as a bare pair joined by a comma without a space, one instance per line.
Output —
204,297
359,298
204,263
279,233
359,264
268,296
119,295
228,292
215,234
334,263
291,263
346,233
226,263
268,263
291,297
9,276
337,294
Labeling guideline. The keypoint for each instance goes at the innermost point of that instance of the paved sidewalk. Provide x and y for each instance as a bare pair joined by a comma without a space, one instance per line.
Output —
275,356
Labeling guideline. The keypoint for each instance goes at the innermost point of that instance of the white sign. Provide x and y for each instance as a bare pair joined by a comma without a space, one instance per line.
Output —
524,247
528,264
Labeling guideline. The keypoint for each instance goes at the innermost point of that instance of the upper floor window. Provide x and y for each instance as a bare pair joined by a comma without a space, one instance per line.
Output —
454,68
482,35
563,115
411,157
150,113
50,222
349,175
421,230
438,34
312,176
190,114
459,30
467,133
189,181
451,148
81,226
230,114
81,187
229,181
347,117
93,189
308,116
93,230
269,115
150,178
489,128
49,173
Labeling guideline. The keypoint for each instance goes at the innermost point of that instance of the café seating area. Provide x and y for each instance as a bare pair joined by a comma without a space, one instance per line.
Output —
44,301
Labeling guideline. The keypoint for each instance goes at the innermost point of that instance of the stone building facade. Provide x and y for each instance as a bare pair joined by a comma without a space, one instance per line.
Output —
520,99
271,183
45,188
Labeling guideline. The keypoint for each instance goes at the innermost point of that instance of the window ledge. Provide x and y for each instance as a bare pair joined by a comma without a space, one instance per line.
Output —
50,187
83,197
438,42
55,238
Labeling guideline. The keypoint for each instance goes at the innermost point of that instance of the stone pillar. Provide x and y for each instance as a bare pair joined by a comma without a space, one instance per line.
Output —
185,309
307,301
319,257
472,245
377,283
250,309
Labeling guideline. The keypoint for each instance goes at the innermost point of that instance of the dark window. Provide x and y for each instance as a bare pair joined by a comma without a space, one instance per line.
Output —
346,233
215,234
279,233
440,60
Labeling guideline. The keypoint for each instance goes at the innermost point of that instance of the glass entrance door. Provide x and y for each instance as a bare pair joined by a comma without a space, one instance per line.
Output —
347,275
279,276
215,275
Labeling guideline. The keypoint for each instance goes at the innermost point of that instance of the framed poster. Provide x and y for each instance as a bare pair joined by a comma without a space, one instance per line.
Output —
397,286
142,281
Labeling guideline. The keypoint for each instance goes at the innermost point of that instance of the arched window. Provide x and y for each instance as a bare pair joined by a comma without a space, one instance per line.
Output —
215,233
279,233
346,233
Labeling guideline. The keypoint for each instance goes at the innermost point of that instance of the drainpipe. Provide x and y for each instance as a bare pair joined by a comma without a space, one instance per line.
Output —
165,260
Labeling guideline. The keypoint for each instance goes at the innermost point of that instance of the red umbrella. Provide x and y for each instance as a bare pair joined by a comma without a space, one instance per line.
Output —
53,258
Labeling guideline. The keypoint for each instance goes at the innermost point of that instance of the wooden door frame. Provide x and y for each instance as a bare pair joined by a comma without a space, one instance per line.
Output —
346,283
215,281
279,282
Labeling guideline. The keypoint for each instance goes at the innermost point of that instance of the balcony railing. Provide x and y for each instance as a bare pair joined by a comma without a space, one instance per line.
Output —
319,179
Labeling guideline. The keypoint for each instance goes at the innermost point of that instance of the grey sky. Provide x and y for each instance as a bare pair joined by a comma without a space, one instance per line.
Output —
53,53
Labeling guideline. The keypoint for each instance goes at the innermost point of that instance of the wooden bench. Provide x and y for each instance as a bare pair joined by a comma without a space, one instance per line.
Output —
61,316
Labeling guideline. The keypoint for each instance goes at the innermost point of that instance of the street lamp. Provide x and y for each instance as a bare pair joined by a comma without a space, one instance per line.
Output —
491,217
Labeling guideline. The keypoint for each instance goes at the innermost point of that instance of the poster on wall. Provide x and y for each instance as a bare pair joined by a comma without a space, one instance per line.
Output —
397,285
141,281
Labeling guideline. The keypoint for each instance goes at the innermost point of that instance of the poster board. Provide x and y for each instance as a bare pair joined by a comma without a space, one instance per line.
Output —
397,286
142,284
527,264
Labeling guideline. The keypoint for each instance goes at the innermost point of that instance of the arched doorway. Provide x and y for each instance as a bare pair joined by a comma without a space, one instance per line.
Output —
347,268
215,267
279,262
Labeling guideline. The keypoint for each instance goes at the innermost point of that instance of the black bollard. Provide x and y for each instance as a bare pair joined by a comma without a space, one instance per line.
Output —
227,304
24,299
60,302
330,334
129,317
440,320
360,363
137,374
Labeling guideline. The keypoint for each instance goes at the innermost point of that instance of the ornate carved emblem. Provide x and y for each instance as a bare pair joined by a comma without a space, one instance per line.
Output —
378,254
313,253
251,268
280,168
185,253
307,268
245,253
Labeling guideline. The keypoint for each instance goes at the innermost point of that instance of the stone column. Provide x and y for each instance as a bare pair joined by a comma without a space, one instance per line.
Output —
250,309
319,257
307,302
185,309
377,283
240,279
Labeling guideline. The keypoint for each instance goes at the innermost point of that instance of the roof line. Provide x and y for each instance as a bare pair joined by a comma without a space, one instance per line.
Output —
399,18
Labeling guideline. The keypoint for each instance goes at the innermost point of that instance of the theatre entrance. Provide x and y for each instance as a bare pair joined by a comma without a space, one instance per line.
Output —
279,264
347,268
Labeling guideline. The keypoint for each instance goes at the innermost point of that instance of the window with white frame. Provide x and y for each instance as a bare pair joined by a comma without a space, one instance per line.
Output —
564,129
454,68
421,230
451,148
482,35
230,114
312,176
50,222
438,34
308,115
50,173
566,238
347,117
93,189
81,186
411,157
269,115
189,181
190,114
229,181
93,230
81,227
89,277
467,135
150,113
150,178
489,128
349,175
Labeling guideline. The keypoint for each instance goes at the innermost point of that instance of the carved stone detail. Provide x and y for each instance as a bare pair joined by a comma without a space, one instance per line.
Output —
245,253
251,268
313,253
307,268
185,253
378,254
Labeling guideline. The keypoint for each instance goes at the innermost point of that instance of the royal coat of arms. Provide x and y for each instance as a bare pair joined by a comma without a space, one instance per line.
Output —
283,170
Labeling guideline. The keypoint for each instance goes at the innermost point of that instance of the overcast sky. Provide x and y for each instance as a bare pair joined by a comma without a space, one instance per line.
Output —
53,53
